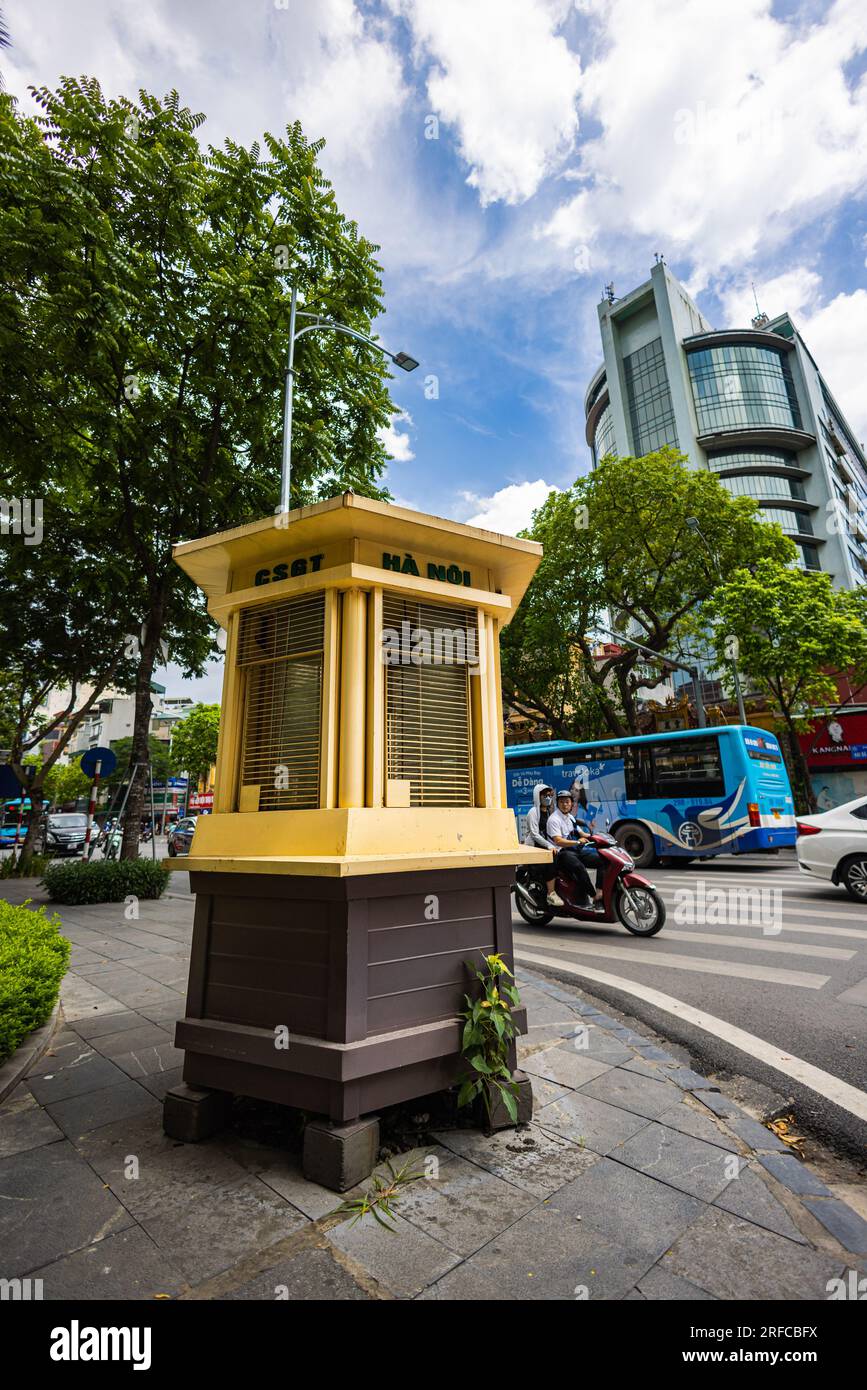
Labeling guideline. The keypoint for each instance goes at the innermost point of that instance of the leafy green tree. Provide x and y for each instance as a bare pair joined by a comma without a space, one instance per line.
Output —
8,710
143,338
194,740
792,634
618,551
66,782
61,643
160,759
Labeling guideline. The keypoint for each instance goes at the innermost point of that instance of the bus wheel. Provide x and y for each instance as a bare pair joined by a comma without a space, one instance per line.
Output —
638,842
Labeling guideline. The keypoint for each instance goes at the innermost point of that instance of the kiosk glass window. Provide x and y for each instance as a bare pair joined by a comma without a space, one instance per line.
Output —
428,650
280,646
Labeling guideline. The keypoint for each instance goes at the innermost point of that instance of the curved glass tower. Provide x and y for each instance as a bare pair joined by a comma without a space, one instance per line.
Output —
749,404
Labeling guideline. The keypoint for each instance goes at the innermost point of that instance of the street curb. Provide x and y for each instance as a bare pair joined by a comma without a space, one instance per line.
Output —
28,1052
777,1159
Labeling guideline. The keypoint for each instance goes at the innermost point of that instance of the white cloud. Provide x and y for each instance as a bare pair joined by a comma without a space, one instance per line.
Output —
722,128
790,292
835,332
397,443
506,81
350,88
835,335
510,509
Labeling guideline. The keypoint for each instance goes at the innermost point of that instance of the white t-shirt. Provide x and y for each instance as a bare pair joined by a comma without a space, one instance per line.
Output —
560,824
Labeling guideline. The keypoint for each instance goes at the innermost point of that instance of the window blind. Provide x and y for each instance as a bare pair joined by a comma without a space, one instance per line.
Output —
428,723
281,647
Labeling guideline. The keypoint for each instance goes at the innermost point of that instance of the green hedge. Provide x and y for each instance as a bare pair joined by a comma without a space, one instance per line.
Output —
33,961
105,880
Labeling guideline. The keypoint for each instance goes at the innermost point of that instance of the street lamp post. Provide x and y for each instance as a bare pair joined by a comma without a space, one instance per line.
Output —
400,359
692,523
700,716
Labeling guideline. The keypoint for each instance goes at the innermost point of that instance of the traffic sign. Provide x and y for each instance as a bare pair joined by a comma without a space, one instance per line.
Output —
105,756
9,784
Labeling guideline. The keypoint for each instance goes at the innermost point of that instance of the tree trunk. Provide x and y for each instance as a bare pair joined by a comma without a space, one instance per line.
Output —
27,850
802,785
139,758
597,678
623,674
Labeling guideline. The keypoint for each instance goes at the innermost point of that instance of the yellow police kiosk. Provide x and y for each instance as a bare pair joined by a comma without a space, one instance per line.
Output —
360,848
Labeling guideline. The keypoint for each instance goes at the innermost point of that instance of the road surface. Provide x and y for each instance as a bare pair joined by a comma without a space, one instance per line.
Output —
759,970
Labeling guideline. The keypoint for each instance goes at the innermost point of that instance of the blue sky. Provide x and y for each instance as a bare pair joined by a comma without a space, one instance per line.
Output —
573,141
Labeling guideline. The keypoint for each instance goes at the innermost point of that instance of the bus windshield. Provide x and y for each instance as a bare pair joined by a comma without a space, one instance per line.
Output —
687,794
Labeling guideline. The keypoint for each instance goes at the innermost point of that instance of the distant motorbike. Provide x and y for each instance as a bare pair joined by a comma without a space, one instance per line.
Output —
627,897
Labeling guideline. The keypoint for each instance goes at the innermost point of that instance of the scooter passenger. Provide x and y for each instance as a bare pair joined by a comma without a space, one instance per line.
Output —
537,819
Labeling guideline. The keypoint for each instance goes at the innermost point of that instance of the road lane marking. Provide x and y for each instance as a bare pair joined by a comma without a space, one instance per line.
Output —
704,966
859,934
756,943
737,880
840,1093
797,907
757,875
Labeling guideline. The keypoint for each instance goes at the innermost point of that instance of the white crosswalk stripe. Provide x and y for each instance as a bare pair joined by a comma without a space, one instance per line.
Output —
757,943
671,961
811,929
793,907
798,908
740,880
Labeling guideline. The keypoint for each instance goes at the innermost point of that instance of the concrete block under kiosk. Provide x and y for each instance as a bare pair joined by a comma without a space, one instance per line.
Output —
360,849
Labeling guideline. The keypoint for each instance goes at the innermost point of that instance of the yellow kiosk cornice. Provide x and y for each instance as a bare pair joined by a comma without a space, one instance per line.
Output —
218,563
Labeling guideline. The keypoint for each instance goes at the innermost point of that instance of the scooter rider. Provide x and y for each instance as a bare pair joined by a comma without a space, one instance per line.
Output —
561,831
537,819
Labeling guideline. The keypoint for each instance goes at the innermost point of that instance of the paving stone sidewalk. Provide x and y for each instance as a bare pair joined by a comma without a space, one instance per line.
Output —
636,1180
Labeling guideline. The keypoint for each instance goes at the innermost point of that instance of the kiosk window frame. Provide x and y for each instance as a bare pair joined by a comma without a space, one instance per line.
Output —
281,649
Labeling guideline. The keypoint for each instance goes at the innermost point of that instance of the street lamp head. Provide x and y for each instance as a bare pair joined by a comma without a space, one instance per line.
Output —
403,359
692,523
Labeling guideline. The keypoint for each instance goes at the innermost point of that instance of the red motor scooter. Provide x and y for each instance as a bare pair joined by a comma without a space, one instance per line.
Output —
627,897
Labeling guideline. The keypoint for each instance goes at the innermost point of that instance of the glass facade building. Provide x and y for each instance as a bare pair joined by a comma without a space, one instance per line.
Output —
603,439
789,519
760,485
748,403
751,458
650,410
737,386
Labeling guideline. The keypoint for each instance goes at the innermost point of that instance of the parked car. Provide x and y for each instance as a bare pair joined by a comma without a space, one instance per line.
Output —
180,837
64,833
833,845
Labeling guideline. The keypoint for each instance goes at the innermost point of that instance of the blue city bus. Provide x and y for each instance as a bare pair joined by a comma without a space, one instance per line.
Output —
690,794
9,819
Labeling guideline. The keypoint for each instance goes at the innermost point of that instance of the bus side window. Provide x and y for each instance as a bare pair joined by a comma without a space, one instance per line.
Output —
638,772
690,768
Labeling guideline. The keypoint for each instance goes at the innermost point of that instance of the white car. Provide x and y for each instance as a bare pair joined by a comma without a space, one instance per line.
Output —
833,844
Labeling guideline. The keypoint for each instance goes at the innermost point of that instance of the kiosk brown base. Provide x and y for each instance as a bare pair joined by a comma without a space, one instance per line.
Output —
337,995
